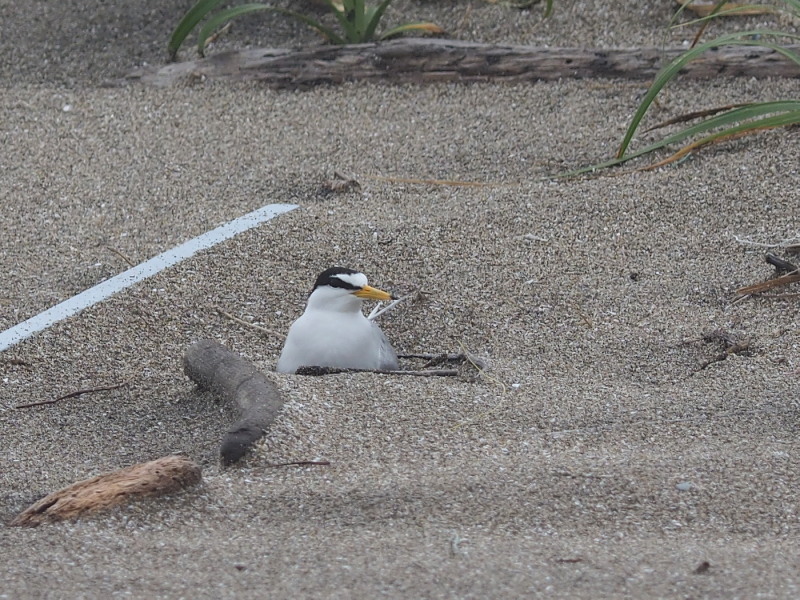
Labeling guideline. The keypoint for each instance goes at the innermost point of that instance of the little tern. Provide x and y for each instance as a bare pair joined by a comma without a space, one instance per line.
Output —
333,332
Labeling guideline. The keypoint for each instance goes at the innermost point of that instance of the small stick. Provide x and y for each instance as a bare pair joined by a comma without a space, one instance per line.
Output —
782,266
245,323
458,357
320,371
74,395
569,560
121,255
736,348
378,311
769,284
446,182
422,373
438,359
786,244
781,296
301,463
219,33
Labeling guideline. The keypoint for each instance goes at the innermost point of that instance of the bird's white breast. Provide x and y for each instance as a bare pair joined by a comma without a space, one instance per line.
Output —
343,340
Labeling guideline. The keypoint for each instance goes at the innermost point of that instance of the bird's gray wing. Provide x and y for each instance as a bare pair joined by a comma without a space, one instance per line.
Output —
387,356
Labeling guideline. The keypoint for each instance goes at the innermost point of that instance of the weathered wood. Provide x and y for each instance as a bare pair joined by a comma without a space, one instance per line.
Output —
213,367
162,476
420,60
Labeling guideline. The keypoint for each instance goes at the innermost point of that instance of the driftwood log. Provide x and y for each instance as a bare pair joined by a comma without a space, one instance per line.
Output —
420,60
162,476
215,368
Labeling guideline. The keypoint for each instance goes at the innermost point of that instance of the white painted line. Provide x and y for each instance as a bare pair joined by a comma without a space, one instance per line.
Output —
109,287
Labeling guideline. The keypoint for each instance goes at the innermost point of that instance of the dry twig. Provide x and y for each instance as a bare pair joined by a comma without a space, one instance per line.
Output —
782,266
379,309
74,395
445,182
300,463
770,284
730,343
121,255
320,371
235,319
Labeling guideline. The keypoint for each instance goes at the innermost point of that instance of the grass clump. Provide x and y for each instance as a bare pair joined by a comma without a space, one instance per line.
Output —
719,124
357,20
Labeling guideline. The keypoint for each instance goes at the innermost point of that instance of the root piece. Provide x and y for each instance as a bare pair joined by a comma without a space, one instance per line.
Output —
161,476
782,267
731,344
213,367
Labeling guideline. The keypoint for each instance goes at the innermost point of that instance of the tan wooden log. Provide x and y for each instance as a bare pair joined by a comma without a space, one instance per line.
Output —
423,60
157,477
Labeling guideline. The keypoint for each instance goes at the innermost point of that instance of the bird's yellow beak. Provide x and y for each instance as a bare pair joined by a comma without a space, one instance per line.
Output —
371,293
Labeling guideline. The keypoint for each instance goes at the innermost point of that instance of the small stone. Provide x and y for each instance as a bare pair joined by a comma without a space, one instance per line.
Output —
684,486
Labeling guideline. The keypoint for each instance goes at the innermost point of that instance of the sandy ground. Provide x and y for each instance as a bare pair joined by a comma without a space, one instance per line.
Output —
597,458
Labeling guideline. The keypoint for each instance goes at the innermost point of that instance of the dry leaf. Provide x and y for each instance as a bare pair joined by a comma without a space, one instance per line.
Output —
703,9
341,184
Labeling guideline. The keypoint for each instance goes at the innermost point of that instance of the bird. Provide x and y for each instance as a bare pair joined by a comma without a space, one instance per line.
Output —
333,332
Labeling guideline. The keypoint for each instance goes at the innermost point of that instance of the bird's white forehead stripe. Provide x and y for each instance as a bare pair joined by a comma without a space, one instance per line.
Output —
358,280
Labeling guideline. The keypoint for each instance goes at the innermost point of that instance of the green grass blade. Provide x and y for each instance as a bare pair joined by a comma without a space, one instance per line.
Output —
359,21
751,127
727,12
790,110
737,115
548,8
672,69
189,21
223,17
375,17
226,15
330,34
341,16
781,120
326,32
416,27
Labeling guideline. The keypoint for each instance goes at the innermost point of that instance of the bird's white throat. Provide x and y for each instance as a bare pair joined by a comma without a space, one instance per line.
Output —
331,299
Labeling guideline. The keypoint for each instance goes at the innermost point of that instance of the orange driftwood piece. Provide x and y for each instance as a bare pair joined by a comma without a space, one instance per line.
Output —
157,477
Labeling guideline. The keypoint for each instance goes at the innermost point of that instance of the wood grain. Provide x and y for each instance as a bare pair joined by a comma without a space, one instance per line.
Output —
421,60
161,476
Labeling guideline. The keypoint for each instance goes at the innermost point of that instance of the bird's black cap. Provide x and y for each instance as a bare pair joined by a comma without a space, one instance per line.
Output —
329,277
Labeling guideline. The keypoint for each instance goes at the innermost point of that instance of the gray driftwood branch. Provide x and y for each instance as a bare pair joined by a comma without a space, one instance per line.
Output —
213,367
421,60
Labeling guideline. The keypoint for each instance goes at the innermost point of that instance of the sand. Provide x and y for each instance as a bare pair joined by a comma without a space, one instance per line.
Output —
600,456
